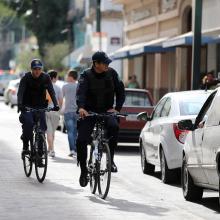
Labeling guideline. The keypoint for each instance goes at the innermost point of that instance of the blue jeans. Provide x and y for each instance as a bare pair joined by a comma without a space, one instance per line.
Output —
70,119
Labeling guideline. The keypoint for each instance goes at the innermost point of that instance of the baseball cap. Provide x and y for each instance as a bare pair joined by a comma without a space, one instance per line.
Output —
36,63
101,56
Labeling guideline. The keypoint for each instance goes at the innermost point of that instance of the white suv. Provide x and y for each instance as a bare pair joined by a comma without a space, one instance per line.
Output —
201,153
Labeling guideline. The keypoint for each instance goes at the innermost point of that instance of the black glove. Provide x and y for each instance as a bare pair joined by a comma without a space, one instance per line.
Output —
56,108
21,108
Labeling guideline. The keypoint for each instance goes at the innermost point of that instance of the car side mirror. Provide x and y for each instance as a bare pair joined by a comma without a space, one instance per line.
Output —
186,125
143,116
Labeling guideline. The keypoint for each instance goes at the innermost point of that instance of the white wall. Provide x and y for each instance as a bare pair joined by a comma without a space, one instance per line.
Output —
108,5
211,14
113,28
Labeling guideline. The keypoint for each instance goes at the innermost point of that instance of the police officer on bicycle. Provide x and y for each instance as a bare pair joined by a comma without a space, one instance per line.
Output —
97,89
32,93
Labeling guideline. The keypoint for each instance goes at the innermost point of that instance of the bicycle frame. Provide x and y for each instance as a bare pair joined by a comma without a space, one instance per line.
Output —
99,136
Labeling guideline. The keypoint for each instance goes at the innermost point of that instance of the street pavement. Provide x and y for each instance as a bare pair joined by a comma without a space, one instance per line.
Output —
132,195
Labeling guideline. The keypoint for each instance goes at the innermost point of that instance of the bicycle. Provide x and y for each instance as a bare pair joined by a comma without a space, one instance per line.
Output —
99,164
37,152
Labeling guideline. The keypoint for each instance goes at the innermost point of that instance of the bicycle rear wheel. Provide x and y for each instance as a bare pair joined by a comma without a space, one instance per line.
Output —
104,171
41,158
27,163
92,171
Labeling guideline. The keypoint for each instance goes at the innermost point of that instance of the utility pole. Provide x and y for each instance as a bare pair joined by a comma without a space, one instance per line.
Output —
98,22
196,70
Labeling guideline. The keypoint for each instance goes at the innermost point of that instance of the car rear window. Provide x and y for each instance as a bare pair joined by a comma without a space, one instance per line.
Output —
136,99
192,104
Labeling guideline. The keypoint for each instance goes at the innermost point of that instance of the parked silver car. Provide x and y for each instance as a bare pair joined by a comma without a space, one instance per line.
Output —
201,153
10,93
4,81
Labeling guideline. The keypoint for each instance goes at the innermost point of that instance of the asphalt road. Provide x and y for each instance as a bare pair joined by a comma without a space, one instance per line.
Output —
132,195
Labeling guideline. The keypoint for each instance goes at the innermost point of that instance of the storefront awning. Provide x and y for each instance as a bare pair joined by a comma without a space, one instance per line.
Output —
121,53
187,40
153,46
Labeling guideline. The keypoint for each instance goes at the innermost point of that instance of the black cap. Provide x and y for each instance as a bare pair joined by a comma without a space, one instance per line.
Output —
36,63
102,57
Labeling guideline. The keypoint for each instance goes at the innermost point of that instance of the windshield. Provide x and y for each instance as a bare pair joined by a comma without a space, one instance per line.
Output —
137,99
192,104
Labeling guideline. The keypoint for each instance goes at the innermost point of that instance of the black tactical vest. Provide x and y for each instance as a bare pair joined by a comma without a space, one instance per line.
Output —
100,91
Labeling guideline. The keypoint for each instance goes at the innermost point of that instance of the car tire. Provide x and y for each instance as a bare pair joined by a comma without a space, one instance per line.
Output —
146,167
167,175
191,192
219,192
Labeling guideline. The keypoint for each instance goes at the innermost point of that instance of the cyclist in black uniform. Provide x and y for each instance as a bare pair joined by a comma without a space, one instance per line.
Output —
96,91
32,93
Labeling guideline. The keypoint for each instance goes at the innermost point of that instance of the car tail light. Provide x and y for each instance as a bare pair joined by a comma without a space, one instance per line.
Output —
13,91
179,134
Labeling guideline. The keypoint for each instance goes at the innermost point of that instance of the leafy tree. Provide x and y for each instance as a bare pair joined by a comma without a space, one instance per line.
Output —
54,54
47,20
24,59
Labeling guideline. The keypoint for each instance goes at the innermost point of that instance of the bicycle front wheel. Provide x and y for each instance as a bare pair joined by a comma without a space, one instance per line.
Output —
27,163
104,171
92,170
41,158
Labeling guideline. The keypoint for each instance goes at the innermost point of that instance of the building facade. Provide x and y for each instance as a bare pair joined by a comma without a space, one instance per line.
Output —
152,22
85,37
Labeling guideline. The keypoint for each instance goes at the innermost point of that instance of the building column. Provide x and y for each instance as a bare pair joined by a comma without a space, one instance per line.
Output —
178,75
157,75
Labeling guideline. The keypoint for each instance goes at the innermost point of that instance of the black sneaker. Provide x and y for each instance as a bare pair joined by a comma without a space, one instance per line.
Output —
40,163
83,179
114,168
24,152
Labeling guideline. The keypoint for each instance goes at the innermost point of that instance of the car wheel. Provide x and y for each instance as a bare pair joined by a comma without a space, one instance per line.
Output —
166,174
147,168
219,192
191,192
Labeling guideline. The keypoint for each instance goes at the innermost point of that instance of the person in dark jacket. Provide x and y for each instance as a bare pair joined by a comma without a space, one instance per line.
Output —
32,93
209,81
97,88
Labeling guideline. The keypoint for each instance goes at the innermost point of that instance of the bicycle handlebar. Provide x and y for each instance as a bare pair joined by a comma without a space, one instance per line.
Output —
28,109
92,114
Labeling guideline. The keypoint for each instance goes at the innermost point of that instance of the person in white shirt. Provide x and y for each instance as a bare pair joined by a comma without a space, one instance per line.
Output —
52,118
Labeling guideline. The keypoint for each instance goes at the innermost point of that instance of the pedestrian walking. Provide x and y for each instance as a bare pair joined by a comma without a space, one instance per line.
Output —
209,81
52,118
70,108
132,82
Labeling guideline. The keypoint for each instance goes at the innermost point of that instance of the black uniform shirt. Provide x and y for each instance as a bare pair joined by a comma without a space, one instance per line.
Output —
32,91
96,91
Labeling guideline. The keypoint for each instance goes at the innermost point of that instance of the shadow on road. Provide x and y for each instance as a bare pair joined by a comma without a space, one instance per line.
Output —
127,151
211,203
176,182
64,160
127,206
